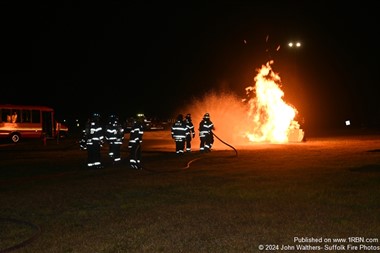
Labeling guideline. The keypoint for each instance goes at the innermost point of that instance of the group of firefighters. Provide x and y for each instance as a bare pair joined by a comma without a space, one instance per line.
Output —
182,131
94,136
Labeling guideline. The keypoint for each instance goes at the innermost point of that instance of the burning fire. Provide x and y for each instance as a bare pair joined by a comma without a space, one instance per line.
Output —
262,117
272,118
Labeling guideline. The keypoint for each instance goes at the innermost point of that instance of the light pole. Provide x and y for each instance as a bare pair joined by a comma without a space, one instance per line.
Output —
294,47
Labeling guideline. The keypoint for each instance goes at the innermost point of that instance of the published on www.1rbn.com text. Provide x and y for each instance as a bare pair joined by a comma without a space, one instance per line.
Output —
353,243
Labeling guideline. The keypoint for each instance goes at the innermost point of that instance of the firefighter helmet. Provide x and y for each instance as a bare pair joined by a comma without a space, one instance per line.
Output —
180,117
188,116
206,116
95,117
113,119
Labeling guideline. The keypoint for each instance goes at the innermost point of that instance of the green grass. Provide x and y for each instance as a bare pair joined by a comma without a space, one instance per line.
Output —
220,203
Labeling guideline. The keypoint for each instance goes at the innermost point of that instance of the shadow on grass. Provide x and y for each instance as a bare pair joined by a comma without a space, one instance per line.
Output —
367,168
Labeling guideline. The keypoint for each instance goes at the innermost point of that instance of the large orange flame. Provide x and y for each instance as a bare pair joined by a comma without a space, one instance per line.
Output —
262,117
272,117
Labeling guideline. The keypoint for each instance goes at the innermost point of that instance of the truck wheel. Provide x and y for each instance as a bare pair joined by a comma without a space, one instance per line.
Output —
15,138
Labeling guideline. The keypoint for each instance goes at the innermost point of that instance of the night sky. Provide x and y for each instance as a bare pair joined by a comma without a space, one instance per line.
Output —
127,57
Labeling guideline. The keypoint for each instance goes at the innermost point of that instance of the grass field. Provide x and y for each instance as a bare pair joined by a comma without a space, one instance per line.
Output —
263,195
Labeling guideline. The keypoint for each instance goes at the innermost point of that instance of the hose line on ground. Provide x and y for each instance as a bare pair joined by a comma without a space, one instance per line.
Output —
193,160
25,242
225,143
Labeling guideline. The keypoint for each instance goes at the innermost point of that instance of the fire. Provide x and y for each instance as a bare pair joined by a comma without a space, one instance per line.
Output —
262,117
272,117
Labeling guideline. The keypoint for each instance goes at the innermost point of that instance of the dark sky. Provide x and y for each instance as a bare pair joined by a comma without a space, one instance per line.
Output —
134,56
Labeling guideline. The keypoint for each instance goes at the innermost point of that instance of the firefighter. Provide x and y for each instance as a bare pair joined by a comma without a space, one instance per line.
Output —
92,141
114,135
134,145
191,135
205,133
179,131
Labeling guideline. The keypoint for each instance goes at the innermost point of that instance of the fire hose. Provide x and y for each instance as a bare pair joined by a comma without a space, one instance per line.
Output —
225,143
195,159
25,242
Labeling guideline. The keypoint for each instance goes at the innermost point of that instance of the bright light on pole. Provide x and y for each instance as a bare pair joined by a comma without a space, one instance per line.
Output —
294,44
294,54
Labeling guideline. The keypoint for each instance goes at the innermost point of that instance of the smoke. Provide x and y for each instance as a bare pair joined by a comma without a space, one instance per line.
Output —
261,117
227,112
